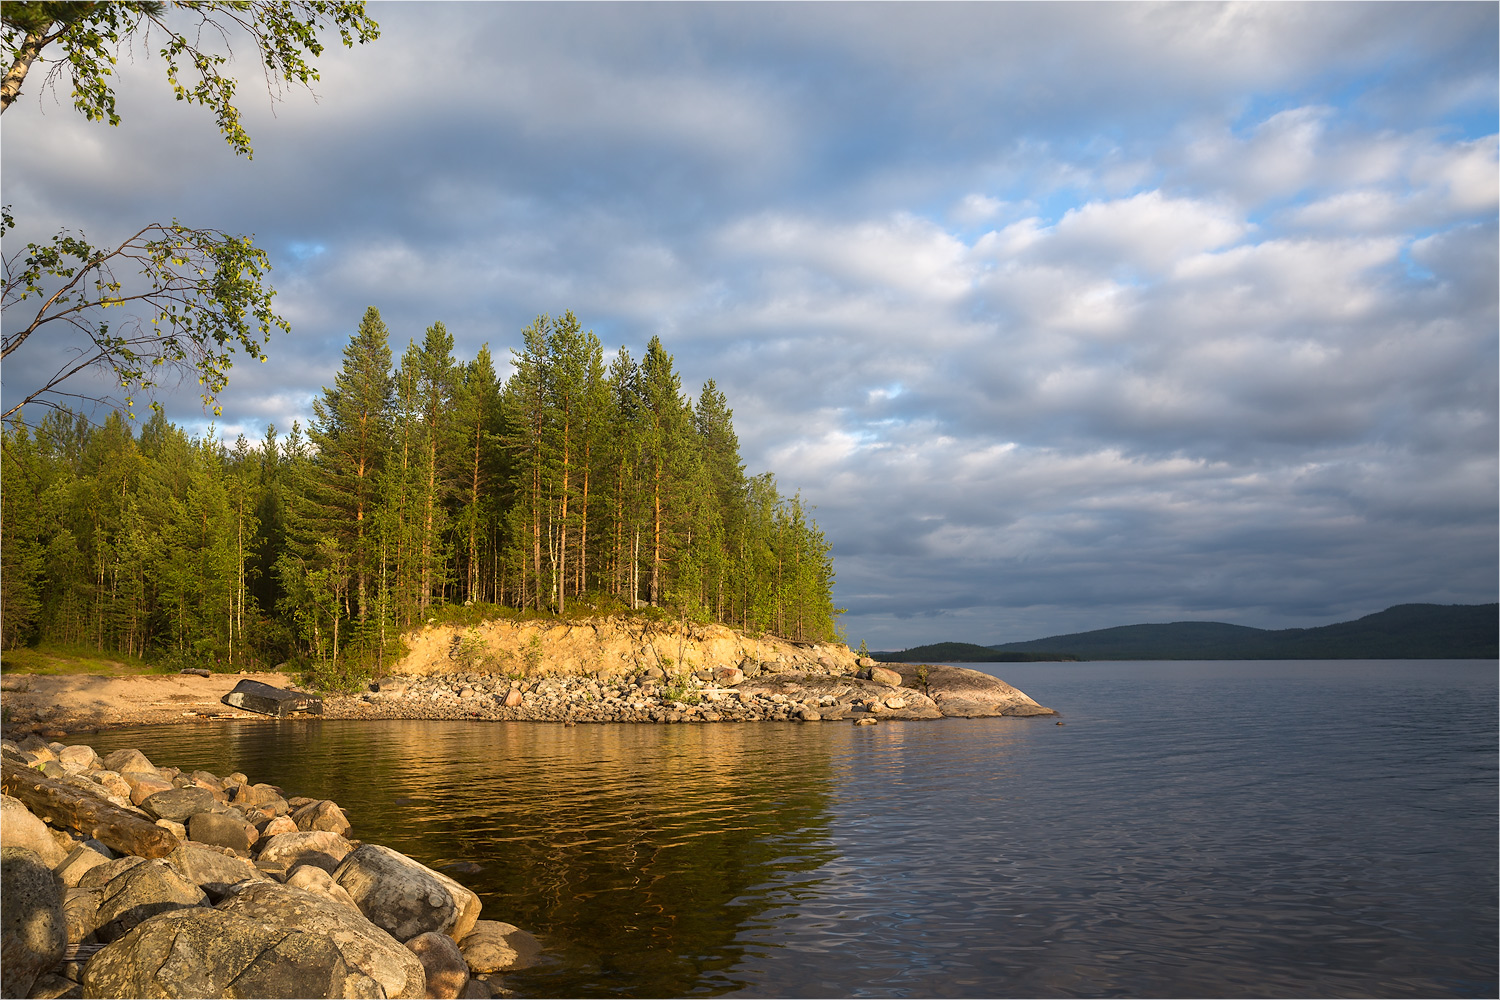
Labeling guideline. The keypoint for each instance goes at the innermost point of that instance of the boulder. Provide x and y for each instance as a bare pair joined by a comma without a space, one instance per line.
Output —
324,815
177,804
203,952
128,760
222,829
33,929
728,676
79,758
271,826
513,698
467,903
253,696
51,986
100,875
494,946
81,913
965,693
314,879
447,972
78,863
305,847
365,948
144,784
885,676
476,989
19,827
115,787
400,895
215,870
143,891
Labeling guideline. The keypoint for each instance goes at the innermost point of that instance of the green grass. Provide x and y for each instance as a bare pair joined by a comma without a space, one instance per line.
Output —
59,659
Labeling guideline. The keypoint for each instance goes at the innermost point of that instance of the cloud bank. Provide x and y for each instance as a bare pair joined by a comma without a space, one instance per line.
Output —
1063,316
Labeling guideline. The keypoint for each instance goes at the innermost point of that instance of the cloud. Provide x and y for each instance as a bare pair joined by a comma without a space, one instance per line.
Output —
1063,316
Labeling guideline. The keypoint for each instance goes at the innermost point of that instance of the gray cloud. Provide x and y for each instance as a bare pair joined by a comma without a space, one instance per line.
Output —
1064,316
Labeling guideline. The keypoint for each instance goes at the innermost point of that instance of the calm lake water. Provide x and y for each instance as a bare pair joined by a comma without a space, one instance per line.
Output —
1195,829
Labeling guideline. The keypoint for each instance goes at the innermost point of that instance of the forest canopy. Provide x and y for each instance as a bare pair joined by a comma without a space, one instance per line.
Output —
578,484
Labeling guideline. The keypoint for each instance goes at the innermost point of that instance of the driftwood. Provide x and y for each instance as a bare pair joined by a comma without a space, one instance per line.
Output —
63,806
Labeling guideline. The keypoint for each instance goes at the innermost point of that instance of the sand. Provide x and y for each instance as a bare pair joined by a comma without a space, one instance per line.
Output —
75,702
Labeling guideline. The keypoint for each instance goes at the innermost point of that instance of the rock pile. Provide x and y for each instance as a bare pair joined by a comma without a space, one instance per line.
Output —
124,879
749,692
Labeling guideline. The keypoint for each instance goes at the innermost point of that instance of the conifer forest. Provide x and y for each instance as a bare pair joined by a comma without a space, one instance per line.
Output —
579,485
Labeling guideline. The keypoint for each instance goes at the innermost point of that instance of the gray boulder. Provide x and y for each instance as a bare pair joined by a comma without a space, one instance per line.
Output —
400,895
177,804
365,948
494,946
100,875
214,870
140,892
221,829
203,952
33,929
305,847
447,972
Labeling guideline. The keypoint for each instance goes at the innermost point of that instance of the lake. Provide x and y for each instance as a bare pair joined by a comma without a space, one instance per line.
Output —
1288,828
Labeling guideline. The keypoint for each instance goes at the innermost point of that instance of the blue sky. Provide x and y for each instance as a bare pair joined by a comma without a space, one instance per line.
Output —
1063,315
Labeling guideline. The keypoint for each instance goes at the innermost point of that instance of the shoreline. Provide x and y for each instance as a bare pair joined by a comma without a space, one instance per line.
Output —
61,704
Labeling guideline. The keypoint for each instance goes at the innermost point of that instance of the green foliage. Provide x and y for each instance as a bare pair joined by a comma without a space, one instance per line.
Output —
204,292
92,35
427,495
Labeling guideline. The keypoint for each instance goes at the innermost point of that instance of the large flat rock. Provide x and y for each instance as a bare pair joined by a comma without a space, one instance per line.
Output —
253,696
968,694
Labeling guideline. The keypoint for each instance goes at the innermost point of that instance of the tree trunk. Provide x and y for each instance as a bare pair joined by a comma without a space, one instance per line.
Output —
60,805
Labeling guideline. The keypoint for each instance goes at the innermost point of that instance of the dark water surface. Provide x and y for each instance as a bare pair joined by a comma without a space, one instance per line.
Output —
1321,828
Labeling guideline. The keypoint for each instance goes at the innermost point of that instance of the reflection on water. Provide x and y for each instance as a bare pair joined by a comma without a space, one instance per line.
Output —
635,852
1286,829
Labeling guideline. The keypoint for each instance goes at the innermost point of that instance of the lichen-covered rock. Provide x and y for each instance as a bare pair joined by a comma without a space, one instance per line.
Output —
400,895
33,928
495,946
365,947
204,952
51,986
447,972
305,847
143,891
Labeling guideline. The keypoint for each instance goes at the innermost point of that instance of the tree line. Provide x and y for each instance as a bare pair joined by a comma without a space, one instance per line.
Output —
578,484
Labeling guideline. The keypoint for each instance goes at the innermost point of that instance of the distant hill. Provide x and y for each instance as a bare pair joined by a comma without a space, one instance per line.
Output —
1407,631
962,652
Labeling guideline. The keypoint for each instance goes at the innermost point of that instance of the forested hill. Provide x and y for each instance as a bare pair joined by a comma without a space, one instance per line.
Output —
578,484
1407,631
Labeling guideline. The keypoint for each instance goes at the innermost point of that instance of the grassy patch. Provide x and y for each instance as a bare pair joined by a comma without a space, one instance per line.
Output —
49,660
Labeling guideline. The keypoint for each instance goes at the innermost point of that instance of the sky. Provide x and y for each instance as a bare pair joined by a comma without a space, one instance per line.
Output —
1063,316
